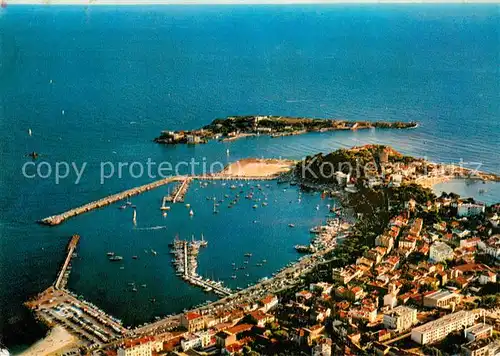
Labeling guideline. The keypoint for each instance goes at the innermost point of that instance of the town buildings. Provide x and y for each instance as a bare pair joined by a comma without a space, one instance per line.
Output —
140,347
193,321
440,251
438,329
441,299
400,318
470,209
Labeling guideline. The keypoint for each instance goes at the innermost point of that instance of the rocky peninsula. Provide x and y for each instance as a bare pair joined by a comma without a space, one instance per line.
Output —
235,127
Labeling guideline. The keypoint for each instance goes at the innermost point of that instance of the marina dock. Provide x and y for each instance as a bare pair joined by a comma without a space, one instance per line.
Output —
58,306
185,262
62,277
179,192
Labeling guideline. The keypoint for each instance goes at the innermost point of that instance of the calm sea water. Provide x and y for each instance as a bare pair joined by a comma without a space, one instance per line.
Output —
122,75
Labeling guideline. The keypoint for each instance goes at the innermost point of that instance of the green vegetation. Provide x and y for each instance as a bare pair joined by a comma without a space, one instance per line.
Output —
375,207
275,125
359,162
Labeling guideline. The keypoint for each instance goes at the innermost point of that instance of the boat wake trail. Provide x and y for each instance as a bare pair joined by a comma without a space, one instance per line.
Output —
152,228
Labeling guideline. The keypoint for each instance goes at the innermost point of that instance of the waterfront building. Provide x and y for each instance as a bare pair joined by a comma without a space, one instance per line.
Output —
268,303
441,299
400,318
140,347
438,329
469,209
195,341
440,251
193,321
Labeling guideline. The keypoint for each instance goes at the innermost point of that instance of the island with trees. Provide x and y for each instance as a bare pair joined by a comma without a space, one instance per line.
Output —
234,127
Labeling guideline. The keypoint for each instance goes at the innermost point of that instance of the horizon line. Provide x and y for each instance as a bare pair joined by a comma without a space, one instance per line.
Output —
234,2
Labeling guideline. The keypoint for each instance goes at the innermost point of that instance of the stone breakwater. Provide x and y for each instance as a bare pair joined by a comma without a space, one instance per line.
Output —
60,218
259,169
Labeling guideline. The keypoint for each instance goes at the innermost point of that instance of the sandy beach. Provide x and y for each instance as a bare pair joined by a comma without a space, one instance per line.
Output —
253,167
57,339
430,182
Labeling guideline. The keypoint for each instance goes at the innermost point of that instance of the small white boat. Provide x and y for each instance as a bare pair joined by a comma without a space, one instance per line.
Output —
188,205
191,212
164,213
29,132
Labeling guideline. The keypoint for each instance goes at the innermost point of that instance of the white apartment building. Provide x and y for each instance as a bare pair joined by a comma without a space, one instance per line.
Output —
441,299
440,251
470,209
438,329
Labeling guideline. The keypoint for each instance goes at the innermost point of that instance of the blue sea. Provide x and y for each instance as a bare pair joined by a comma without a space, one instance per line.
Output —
98,84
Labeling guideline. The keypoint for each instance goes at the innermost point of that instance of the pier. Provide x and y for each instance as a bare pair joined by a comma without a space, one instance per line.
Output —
60,218
185,262
179,192
58,306
62,277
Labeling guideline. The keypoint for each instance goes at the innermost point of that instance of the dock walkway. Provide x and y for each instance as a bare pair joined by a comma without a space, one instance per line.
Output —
179,193
62,277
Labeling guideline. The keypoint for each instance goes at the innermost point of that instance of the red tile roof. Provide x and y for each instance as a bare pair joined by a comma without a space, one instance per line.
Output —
192,316
239,328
